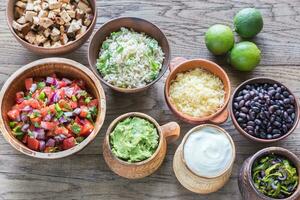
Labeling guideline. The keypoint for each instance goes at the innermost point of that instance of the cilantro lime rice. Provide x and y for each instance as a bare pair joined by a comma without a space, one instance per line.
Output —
128,59
134,139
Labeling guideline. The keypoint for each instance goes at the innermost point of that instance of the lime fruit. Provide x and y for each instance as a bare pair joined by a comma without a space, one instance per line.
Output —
219,39
244,56
248,22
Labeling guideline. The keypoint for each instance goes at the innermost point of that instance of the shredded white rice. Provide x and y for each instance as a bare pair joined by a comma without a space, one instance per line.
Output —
129,59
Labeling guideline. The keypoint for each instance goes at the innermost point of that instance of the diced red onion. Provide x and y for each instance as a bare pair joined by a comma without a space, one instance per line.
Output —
59,138
69,92
50,80
33,87
68,81
77,111
27,109
40,134
50,143
24,117
55,97
25,127
48,117
68,114
19,100
42,145
63,120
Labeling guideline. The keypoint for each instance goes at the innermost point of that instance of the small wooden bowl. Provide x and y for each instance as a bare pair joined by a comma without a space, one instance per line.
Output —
50,51
246,184
194,182
167,134
138,25
41,68
179,65
242,131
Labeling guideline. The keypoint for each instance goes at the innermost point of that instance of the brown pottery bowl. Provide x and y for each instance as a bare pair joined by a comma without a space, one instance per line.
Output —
167,134
55,50
246,184
138,25
179,65
42,68
242,131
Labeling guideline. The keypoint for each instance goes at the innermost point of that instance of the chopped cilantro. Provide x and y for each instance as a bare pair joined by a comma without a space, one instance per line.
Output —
41,85
57,107
12,124
42,96
36,125
74,98
76,128
88,100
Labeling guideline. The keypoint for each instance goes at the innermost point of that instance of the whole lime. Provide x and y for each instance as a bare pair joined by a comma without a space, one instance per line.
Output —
244,56
248,22
219,39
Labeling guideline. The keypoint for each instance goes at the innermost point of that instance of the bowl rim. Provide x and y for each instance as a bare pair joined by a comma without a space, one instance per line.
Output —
222,131
247,135
277,151
186,116
24,42
129,90
140,115
75,149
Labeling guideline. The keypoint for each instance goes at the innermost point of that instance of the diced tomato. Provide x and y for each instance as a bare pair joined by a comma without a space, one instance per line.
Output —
77,120
14,114
34,103
49,92
87,128
33,143
19,97
61,84
36,120
24,140
84,111
49,125
50,133
64,105
62,130
73,104
69,143
93,102
81,102
28,83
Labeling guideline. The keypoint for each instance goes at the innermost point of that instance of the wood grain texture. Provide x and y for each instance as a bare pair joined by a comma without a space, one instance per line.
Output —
85,175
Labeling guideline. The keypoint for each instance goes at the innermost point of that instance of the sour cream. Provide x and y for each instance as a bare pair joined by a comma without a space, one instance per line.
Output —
208,152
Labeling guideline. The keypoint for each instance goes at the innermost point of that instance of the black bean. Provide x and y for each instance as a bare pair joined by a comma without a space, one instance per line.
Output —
257,121
269,130
244,109
243,115
293,115
277,124
240,119
247,103
276,131
286,101
290,111
250,123
235,105
252,93
277,95
241,103
286,93
247,96
292,99
256,109
276,136
263,135
269,136
239,98
250,128
272,109
271,92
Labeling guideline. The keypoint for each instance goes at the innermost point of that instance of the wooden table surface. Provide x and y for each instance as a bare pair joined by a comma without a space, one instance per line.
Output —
85,175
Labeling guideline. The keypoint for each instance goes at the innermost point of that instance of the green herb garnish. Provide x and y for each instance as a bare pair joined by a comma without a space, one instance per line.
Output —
76,128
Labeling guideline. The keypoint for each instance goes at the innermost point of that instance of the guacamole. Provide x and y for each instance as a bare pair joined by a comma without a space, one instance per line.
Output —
134,139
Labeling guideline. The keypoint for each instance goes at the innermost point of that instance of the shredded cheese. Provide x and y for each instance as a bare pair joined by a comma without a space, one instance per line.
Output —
197,93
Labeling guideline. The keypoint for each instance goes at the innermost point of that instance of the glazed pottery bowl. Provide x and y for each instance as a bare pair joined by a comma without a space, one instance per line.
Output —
42,68
179,65
54,50
167,133
246,184
194,182
138,25
242,131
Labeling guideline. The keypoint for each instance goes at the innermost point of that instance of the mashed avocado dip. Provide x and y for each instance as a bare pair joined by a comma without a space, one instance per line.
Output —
208,151
134,139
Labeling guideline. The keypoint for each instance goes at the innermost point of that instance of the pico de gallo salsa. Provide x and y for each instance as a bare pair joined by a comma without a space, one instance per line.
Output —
53,114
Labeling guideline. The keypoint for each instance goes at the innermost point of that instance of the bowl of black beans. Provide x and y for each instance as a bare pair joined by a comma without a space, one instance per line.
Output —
264,110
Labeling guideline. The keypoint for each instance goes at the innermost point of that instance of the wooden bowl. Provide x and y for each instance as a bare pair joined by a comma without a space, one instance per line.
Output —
138,25
242,131
246,184
51,51
167,134
194,182
41,68
179,65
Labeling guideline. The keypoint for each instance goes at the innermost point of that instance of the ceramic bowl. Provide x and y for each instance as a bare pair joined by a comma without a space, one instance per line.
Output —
167,134
241,130
138,25
50,51
246,184
194,182
179,65
42,68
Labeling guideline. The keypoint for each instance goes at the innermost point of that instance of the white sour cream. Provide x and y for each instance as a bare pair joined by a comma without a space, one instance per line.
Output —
208,152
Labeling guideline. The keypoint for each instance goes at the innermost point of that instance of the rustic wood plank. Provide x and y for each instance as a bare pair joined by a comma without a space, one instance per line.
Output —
85,175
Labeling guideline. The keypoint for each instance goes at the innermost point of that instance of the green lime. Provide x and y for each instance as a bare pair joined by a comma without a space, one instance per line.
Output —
244,56
219,39
248,22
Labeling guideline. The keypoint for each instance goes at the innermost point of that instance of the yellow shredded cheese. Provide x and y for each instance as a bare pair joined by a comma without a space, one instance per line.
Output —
197,93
